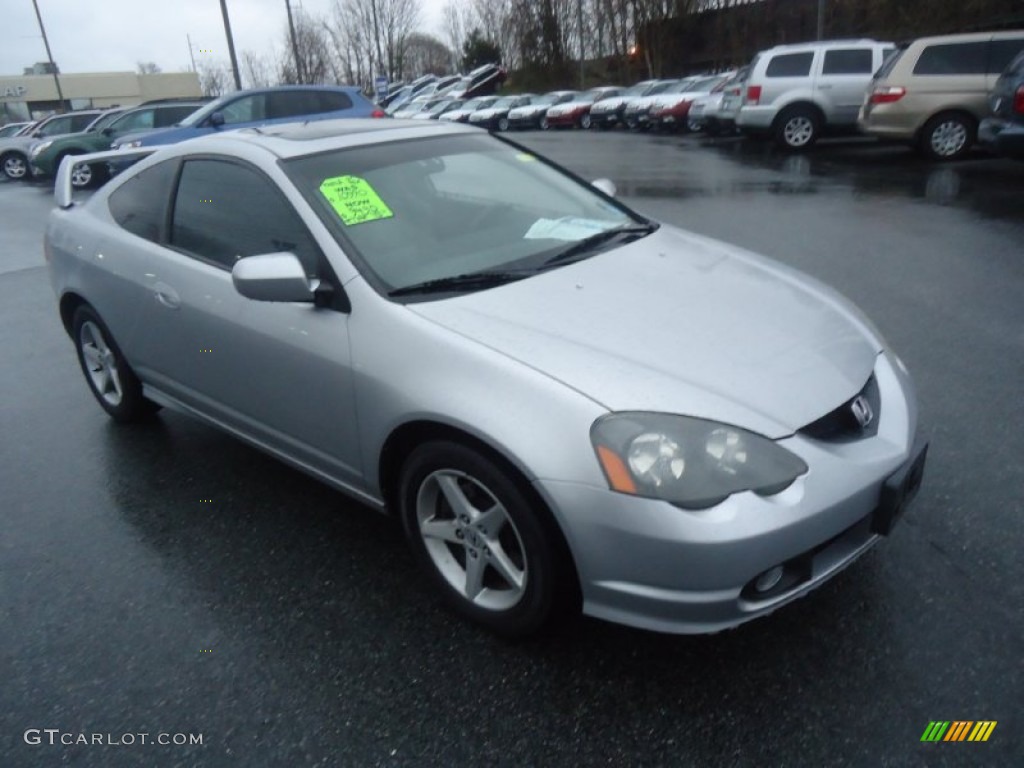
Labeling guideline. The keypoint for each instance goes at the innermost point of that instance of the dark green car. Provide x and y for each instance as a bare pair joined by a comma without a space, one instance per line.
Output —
45,156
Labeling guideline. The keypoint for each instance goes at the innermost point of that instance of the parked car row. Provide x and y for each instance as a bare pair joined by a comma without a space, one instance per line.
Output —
38,149
933,94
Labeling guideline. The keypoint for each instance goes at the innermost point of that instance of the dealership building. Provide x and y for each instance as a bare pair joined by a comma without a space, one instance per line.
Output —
31,96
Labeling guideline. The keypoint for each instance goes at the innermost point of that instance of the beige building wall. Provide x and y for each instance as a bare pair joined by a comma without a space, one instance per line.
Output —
35,93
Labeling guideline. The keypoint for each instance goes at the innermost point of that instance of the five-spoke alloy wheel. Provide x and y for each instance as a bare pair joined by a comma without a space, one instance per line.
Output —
109,376
481,538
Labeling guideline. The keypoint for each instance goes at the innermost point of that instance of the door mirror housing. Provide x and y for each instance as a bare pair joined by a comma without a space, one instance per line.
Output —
605,185
273,277
216,120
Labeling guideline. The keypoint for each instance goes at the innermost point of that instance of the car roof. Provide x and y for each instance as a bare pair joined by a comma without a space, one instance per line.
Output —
288,140
815,44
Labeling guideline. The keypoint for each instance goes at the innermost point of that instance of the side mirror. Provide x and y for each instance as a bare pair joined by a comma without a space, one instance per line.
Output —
107,131
273,277
216,120
605,185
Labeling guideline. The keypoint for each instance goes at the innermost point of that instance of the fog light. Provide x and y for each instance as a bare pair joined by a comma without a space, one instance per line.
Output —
768,580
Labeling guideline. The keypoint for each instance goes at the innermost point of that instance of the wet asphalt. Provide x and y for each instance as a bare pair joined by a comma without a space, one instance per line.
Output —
168,579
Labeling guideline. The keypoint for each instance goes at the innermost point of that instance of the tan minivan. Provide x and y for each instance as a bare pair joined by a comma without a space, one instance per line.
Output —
934,92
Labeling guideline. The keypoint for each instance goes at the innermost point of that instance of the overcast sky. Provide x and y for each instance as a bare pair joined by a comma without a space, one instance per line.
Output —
112,35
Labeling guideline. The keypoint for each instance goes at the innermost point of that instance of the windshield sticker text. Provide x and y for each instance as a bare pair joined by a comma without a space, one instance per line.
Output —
354,200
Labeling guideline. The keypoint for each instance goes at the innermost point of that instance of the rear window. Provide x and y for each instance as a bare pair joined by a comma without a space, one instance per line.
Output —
892,56
953,59
1002,52
790,65
847,61
333,101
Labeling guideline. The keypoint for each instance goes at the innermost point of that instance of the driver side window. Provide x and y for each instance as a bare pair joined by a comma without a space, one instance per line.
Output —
247,109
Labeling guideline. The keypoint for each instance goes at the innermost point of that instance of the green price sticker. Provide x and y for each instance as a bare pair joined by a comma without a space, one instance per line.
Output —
354,200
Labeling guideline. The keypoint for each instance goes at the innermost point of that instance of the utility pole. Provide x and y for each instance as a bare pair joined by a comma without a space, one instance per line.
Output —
231,44
821,19
295,45
49,56
190,54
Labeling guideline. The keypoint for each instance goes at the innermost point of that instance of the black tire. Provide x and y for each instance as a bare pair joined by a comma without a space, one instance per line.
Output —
797,128
125,406
502,124
85,176
15,166
585,122
948,136
523,538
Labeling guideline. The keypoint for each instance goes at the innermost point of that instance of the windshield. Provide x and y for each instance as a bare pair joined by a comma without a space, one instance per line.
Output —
594,95
474,104
436,208
507,101
657,88
445,105
681,86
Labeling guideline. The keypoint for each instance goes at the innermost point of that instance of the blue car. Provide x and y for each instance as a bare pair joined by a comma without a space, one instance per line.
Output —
261,106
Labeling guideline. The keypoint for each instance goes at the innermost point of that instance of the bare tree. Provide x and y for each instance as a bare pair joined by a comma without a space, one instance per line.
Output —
257,70
215,78
313,46
148,68
425,54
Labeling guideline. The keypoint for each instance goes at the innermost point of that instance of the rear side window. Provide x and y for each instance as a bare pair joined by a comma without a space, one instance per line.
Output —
847,61
333,101
291,104
57,126
140,204
790,65
953,59
1002,52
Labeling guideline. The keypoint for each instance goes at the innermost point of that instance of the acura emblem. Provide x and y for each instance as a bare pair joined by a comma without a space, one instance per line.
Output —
861,410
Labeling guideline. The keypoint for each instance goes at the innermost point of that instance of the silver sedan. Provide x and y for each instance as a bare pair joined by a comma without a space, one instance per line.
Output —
566,404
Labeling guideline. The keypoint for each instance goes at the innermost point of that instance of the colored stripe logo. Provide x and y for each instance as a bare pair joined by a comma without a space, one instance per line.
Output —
958,730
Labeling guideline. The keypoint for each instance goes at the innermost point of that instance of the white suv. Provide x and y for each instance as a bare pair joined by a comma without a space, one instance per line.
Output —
796,92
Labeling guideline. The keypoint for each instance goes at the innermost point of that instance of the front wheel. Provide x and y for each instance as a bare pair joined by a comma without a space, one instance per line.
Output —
586,122
15,166
111,380
948,136
503,124
479,537
544,124
797,128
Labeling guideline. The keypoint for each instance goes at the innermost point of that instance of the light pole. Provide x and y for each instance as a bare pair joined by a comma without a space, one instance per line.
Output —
49,56
295,45
231,45
579,8
821,19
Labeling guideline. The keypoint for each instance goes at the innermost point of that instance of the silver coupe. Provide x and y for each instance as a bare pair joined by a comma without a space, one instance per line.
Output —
567,404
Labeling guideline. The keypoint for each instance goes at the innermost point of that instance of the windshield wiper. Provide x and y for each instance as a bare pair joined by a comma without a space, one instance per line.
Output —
471,281
589,243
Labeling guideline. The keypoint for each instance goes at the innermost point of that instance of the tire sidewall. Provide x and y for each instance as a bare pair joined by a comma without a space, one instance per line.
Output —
10,156
534,608
791,114
133,405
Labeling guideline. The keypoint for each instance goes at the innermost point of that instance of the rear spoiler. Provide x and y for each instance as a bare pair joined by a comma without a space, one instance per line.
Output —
62,187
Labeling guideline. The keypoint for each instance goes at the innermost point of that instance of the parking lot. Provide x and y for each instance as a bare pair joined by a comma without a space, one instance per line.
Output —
169,579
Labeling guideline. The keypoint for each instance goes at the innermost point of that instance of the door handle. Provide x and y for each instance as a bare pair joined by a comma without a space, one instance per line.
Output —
824,87
166,296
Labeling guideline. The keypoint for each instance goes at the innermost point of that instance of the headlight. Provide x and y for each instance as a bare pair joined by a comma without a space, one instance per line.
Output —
693,463
37,148
130,144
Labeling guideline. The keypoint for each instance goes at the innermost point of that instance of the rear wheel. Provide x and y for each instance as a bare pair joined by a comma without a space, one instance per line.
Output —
502,123
110,378
544,124
479,537
797,128
15,166
948,136
585,121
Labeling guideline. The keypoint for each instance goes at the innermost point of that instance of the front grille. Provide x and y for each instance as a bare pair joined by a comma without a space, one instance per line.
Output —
841,425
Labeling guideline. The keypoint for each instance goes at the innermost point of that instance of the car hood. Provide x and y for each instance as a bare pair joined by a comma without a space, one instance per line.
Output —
529,109
678,323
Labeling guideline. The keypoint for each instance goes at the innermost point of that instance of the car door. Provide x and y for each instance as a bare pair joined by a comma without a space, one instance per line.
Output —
845,75
277,372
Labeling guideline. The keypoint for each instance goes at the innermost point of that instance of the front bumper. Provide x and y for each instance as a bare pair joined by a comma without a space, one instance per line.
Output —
1002,136
649,564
